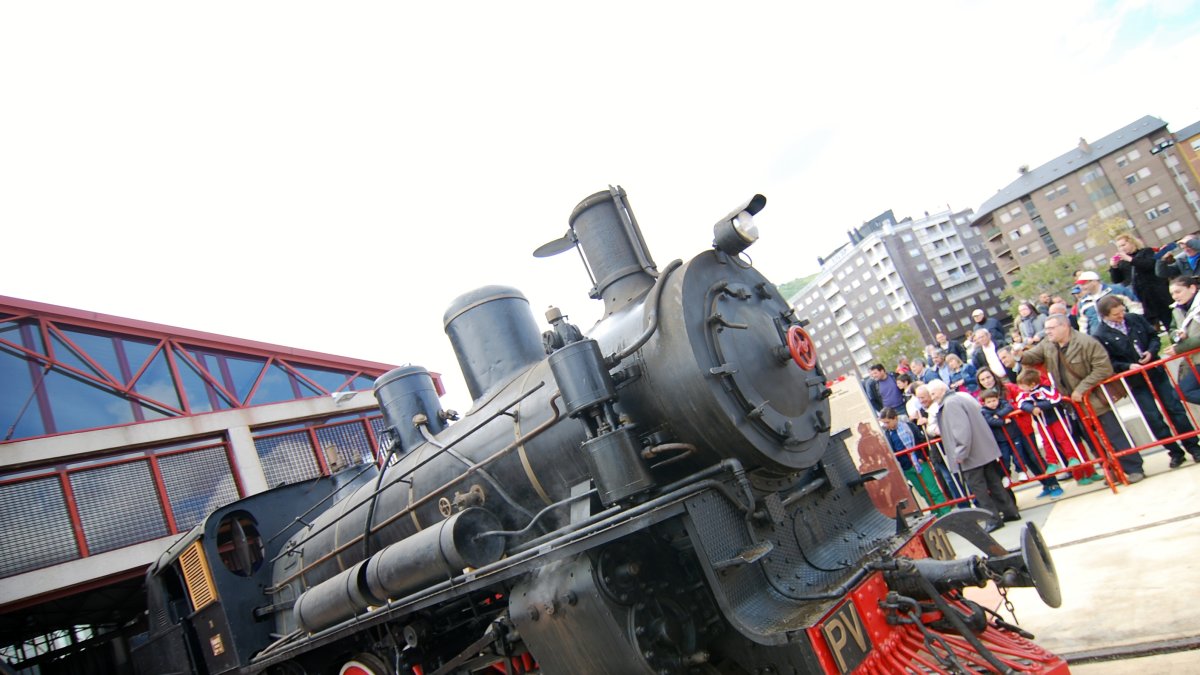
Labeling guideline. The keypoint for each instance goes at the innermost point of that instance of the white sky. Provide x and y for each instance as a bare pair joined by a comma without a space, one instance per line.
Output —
329,176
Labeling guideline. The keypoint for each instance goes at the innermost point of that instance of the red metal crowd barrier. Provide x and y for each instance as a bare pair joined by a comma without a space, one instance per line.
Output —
1073,441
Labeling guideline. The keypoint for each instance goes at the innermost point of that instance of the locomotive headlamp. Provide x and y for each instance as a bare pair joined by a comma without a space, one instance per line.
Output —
736,232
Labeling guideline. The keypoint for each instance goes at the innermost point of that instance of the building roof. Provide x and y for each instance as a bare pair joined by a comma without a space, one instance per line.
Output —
1068,163
1188,131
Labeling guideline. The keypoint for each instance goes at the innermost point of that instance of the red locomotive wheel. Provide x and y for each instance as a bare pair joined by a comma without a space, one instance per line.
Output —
800,345
365,664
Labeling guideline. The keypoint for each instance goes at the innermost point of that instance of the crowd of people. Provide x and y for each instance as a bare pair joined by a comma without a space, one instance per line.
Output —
1006,405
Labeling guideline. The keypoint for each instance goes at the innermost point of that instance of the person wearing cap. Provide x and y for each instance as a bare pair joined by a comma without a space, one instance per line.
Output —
991,324
1180,258
1134,266
1094,289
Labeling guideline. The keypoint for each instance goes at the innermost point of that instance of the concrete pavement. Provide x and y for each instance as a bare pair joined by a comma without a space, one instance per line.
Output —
1129,566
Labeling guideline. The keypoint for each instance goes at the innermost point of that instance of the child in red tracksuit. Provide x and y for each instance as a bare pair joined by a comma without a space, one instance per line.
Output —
1040,399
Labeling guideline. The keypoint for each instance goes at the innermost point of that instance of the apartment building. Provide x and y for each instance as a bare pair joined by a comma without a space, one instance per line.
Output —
1133,174
931,272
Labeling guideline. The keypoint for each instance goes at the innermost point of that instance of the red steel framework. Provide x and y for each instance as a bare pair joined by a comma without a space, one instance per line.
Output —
52,324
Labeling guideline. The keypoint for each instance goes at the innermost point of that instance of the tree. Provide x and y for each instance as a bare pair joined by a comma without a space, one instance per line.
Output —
1055,276
894,340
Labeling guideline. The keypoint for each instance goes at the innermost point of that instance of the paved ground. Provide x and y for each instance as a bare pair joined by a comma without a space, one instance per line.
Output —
1129,565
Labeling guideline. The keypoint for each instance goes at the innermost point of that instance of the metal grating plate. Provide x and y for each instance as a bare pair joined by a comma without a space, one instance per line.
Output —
34,519
118,506
349,440
287,458
197,483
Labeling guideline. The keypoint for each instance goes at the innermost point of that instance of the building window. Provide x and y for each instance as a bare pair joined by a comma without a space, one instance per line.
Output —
1005,218
1164,209
1069,230
989,277
944,312
1152,214
906,237
929,281
1023,251
921,267
1081,246
1143,172
958,307
1014,235
1132,178
937,297
1025,229
1064,211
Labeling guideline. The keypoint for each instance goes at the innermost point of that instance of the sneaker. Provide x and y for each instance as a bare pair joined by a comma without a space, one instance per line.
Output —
1056,491
1052,468
1176,462
1196,458
1088,480
1072,462
1022,476
1135,477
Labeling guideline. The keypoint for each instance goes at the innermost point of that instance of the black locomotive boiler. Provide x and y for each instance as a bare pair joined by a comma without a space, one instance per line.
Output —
663,494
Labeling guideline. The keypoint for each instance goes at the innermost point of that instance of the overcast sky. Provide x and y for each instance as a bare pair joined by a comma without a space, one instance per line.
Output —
329,176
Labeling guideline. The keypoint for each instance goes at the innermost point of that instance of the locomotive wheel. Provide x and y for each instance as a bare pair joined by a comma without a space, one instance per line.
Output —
365,663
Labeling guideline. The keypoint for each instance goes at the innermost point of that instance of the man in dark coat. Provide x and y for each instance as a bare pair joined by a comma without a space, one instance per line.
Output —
1131,342
971,448
956,347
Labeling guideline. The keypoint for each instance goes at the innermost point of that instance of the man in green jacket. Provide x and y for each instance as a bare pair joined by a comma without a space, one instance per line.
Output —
1076,363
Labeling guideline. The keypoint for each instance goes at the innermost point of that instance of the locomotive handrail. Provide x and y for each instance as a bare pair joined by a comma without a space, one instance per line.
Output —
533,521
652,312
429,438
501,412
554,419
300,518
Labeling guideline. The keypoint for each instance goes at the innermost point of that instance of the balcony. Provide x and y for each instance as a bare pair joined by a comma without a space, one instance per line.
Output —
992,234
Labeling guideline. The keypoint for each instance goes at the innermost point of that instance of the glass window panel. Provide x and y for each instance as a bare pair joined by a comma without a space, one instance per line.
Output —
275,386
78,404
331,380
99,348
244,373
118,506
156,382
306,390
67,355
35,515
197,483
201,396
136,352
18,411
364,383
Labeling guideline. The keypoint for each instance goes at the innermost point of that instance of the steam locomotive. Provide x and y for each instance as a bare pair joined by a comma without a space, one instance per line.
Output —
663,494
